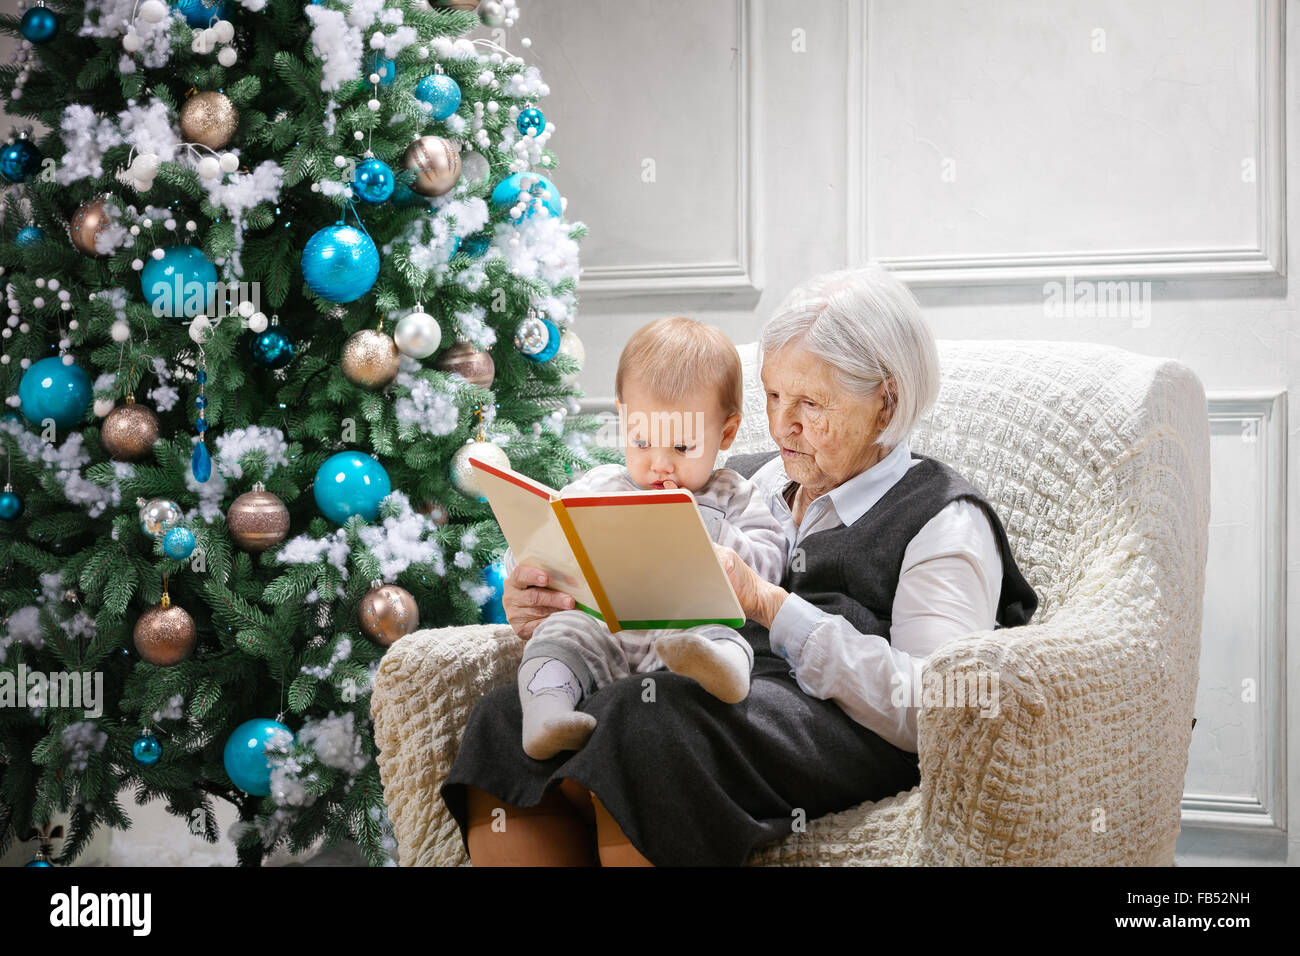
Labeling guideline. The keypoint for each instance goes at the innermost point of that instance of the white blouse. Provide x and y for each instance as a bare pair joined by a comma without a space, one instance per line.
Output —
948,587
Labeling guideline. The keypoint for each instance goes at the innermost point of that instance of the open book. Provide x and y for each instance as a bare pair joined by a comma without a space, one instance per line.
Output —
635,559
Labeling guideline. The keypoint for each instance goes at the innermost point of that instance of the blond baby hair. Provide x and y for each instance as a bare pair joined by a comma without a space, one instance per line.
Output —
674,356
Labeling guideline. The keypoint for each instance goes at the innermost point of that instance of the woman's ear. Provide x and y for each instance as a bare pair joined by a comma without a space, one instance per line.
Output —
889,402
729,429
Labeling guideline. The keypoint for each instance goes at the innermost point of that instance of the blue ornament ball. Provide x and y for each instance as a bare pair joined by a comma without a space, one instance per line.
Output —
494,576
273,348
182,284
351,483
29,236
147,749
373,181
441,92
19,161
542,190
245,755
198,13
11,505
340,263
386,68
476,245
530,122
50,389
178,543
39,861
39,24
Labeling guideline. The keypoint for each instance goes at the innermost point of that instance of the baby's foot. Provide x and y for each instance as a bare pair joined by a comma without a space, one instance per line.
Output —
548,694
720,667
552,725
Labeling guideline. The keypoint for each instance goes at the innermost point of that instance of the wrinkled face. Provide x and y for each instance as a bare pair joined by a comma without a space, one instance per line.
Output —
826,434
677,441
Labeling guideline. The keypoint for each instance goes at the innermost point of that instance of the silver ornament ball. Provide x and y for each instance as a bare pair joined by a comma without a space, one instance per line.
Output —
417,334
532,336
159,516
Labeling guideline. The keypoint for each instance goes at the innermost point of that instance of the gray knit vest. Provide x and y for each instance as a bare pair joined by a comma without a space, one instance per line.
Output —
853,570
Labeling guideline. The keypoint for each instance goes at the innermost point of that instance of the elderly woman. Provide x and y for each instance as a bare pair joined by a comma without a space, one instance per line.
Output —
892,555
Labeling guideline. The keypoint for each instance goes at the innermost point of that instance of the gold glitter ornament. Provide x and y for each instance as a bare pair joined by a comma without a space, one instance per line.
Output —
165,635
209,119
436,164
257,520
370,359
469,363
129,431
88,222
387,613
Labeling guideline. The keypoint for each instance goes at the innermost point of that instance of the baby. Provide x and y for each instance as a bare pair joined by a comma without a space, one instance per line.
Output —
678,392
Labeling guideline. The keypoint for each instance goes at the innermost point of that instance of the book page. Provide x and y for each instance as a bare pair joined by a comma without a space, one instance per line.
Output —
654,558
523,509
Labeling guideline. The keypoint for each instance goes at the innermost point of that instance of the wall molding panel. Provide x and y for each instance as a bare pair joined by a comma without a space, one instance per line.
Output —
1264,258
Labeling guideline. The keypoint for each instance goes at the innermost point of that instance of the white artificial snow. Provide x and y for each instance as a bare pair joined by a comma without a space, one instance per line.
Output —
85,137
239,192
431,411
79,740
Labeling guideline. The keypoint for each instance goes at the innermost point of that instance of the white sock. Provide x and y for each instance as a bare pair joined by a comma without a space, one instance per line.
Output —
721,667
548,693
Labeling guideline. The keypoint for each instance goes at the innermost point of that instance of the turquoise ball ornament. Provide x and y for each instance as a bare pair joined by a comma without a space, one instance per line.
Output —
245,756
441,93
373,181
197,13
39,861
178,543
530,122
50,389
29,236
19,161
541,190
272,349
351,483
11,505
147,750
340,263
39,24
494,576
182,284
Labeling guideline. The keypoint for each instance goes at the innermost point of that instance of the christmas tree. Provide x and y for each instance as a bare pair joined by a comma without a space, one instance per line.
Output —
275,270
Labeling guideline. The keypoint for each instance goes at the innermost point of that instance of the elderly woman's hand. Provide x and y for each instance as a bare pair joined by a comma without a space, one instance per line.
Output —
760,599
527,600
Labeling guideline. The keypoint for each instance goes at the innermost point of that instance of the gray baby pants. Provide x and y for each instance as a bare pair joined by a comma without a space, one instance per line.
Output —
598,658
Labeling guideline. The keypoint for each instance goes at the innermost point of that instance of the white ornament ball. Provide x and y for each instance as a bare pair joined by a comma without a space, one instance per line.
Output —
417,334
153,11
245,308
200,329
103,406
258,322
209,167
227,56
229,162
120,331
462,472
131,43
224,30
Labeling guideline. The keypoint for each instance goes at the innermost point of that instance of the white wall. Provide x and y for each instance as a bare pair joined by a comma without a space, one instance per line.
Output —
983,149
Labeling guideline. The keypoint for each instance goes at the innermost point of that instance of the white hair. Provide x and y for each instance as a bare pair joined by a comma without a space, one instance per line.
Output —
868,327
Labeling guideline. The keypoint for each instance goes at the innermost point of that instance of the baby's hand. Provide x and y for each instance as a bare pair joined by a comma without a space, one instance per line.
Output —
669,483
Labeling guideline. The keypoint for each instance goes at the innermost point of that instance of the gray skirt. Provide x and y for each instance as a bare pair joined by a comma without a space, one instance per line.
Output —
690,780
